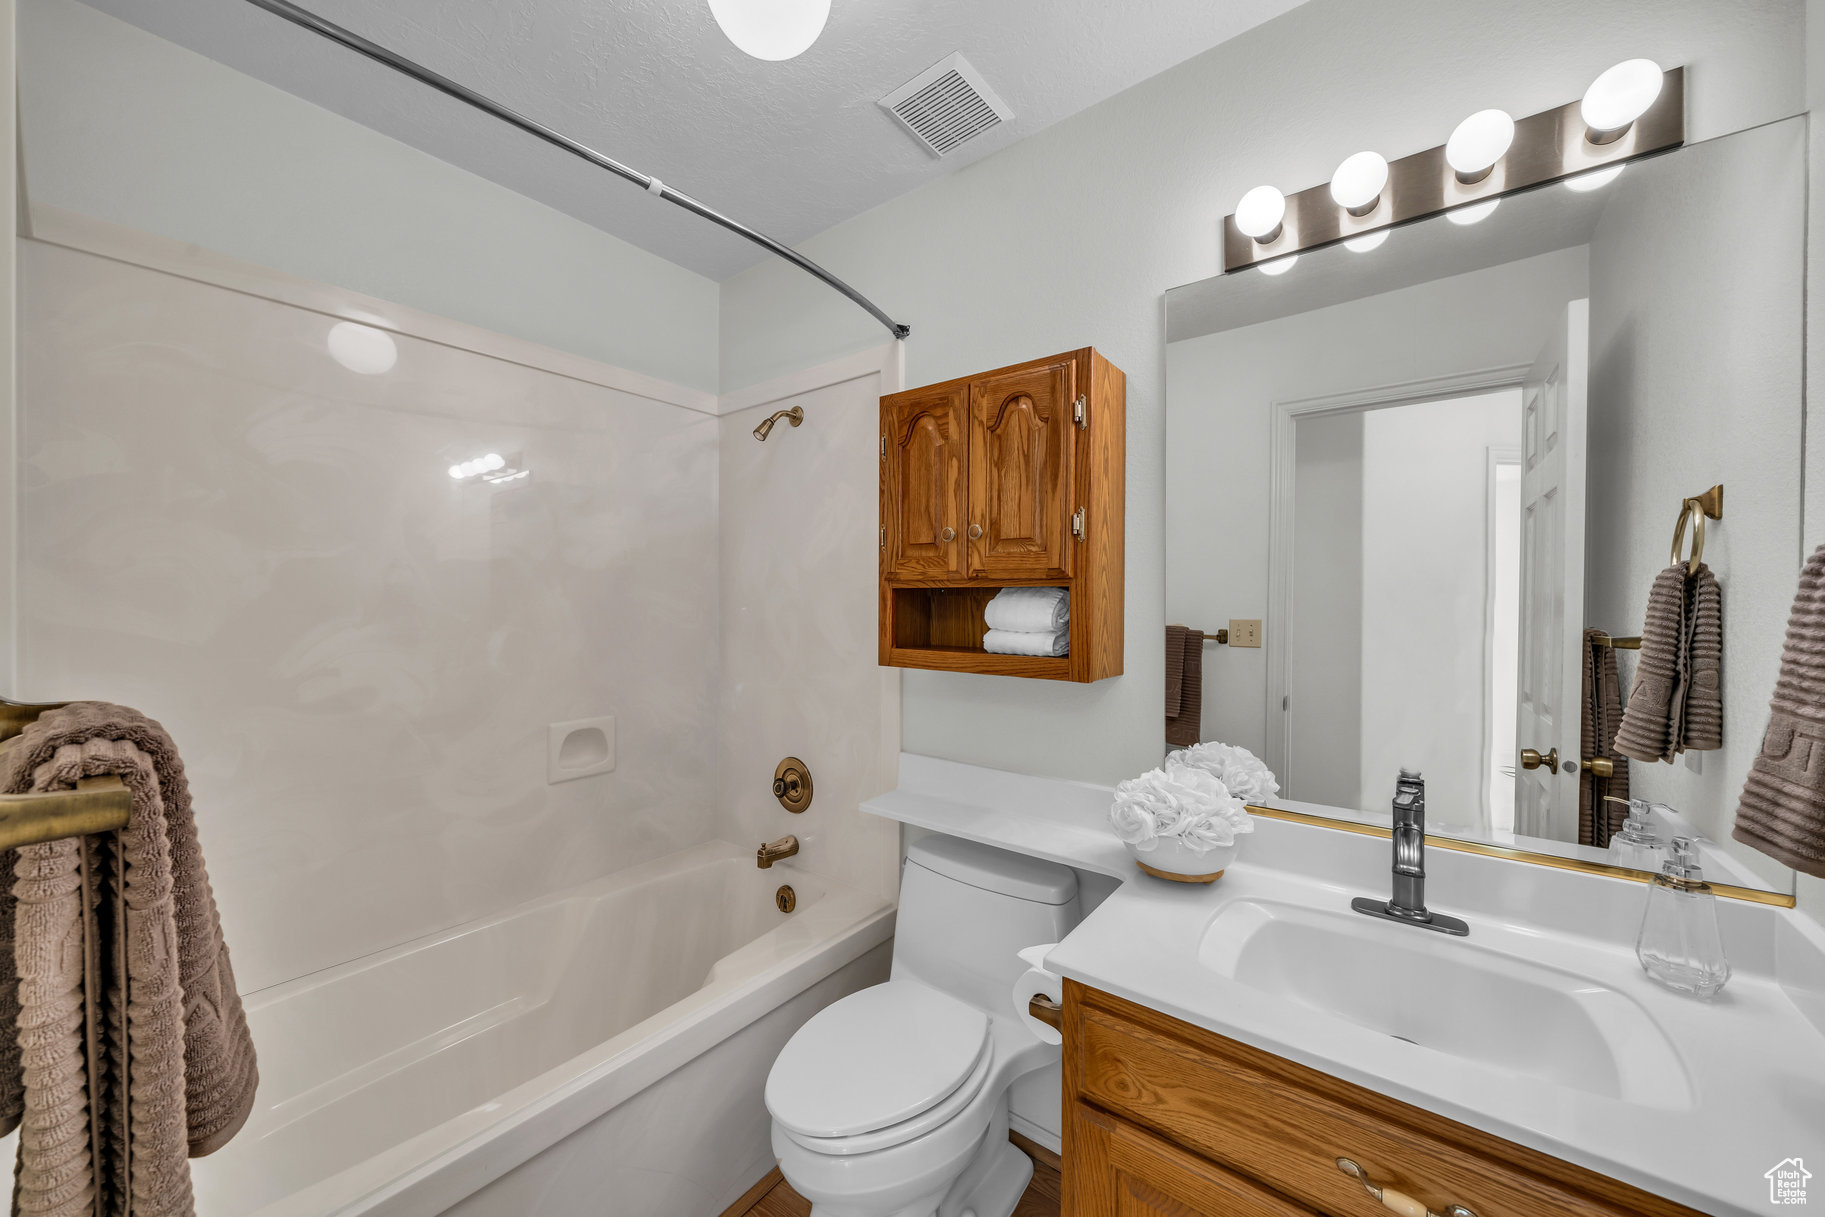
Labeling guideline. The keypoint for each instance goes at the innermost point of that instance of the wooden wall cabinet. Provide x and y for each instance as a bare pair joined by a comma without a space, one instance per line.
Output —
1165,1118
1009,478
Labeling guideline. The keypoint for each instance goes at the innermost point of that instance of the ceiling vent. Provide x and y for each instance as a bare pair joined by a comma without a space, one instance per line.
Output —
947,105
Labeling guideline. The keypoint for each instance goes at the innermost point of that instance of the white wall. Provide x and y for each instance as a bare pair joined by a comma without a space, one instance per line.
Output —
1324,683
1670,417
1220,412
1425,560
358,656
128,128
1070,237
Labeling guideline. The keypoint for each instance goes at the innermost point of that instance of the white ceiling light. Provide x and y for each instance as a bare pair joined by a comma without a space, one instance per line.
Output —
362,348
1619,97
1367,241
1478,143
772,29
1260,213
1596,179
1279,266
1476,213
1357,185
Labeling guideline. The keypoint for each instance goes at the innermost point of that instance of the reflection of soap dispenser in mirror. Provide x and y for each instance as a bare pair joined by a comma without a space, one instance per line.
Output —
1679,944
1636,845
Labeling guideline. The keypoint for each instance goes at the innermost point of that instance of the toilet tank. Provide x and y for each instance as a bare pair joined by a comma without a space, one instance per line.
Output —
966,911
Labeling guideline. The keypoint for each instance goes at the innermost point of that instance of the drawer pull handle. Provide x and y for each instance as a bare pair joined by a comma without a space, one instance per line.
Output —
1047,1011
1399,1202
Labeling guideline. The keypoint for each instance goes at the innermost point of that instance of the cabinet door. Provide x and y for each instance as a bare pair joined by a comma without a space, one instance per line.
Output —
1021,458
925,433
1113,1169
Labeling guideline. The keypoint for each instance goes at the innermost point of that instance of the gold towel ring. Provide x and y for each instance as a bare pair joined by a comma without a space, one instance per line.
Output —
1709,505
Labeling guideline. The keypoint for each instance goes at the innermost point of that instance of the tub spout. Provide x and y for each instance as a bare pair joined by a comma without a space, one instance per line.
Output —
773,851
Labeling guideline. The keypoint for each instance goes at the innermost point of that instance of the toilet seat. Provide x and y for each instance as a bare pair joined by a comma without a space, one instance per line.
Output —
878,1068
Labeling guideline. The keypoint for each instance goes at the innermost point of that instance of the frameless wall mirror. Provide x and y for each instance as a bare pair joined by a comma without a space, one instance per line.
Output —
1434,467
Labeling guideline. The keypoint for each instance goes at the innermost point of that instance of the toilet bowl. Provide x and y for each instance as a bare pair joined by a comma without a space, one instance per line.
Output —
893,1102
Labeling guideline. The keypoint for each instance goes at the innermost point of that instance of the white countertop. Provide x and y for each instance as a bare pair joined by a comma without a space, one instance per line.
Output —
1754,1055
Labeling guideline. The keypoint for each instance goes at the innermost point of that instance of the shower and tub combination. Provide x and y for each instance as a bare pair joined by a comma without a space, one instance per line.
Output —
484,973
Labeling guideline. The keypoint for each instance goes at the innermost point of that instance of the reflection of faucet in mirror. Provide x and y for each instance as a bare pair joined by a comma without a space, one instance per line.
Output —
1408,904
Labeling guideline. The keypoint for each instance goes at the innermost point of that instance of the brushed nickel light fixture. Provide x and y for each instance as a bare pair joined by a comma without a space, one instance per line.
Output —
1632,110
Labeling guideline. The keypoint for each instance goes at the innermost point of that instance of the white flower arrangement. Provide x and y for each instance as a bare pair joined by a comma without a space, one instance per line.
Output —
1242,773
1182,803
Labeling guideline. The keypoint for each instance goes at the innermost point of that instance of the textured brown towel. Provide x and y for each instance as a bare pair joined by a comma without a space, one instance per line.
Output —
1702,723
1597,817
1676,702
1184,685
174,1028
1782,812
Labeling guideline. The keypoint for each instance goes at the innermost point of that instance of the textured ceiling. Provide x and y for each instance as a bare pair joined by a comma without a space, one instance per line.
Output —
790,148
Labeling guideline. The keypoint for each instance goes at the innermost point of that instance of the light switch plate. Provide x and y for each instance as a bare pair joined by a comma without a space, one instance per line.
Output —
1244,633
580,748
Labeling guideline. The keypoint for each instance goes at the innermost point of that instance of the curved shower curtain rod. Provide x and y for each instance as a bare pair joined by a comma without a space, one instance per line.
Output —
652,185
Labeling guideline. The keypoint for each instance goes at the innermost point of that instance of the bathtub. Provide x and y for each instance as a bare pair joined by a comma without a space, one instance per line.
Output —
602,1050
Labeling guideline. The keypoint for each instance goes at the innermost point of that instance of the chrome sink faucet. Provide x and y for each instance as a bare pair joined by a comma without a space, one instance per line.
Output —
1408,904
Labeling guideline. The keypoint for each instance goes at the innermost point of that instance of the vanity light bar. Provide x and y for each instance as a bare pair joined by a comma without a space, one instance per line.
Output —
1548,147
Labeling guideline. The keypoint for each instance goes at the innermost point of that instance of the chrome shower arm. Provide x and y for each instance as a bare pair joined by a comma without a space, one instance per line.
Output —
306,19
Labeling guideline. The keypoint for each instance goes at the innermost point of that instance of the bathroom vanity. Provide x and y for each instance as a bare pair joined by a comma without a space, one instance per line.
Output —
1163,1117
1226,1046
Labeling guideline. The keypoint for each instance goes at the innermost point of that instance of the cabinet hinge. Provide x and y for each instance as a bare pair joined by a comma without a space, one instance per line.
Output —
883,538
1080,412
1077,523
883,447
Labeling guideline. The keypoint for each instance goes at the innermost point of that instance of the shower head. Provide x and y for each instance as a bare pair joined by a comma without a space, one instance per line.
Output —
795,416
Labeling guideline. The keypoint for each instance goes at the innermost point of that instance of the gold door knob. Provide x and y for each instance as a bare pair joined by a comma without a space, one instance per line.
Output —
949,534
1602,766
975,532
1531,759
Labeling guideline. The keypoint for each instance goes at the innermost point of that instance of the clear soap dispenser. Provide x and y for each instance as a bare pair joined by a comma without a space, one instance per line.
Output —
1636,845
1679,944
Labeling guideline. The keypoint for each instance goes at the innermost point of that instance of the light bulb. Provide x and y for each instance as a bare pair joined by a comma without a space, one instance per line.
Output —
458,472
491,462
1279,266
1596,179
362,348
771,29
1260,212
1476,213
1478,143
1357,185
1367,241
1619,97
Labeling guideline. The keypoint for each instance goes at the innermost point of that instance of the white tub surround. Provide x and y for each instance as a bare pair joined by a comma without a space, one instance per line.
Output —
403,1082
1739,1076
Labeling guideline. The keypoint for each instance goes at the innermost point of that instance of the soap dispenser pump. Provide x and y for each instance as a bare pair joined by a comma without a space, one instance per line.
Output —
1679,944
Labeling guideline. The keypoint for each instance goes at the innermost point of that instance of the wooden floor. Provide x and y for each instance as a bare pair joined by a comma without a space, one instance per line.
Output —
774,1197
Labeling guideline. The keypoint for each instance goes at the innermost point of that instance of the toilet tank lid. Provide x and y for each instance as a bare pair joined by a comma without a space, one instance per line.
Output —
995,870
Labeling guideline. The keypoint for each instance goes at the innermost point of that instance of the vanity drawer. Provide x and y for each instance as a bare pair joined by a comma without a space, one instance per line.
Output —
1286,1126
1128,1173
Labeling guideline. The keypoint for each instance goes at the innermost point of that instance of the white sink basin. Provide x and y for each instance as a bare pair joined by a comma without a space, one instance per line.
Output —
1448,995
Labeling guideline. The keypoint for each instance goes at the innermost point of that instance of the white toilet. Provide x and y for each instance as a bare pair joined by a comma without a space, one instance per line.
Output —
894,1101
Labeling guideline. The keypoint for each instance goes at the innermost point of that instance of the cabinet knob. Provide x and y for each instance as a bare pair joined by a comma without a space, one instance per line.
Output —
975,532
949,534
1399,1202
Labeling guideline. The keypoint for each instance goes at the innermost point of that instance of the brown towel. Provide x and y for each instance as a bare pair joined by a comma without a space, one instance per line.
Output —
1782,812
1676,702
174,1027
1184,685
1598,818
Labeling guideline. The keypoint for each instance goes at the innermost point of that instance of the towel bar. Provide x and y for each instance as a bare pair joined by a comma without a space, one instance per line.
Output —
1618,644
98,804
1220,637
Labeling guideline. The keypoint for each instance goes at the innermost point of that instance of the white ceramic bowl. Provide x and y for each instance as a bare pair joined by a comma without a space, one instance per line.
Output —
1172,859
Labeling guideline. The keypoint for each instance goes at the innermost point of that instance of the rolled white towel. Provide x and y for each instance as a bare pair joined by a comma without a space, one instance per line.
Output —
1029,610
1021,642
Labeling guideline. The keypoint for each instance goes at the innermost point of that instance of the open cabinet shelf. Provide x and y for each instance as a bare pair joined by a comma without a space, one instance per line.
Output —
1011,478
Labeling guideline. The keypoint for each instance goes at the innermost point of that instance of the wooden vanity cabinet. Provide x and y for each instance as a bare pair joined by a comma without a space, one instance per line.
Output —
1165,1118
1008,478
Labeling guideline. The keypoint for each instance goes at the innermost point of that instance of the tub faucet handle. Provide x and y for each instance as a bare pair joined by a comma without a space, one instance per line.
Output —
773,851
